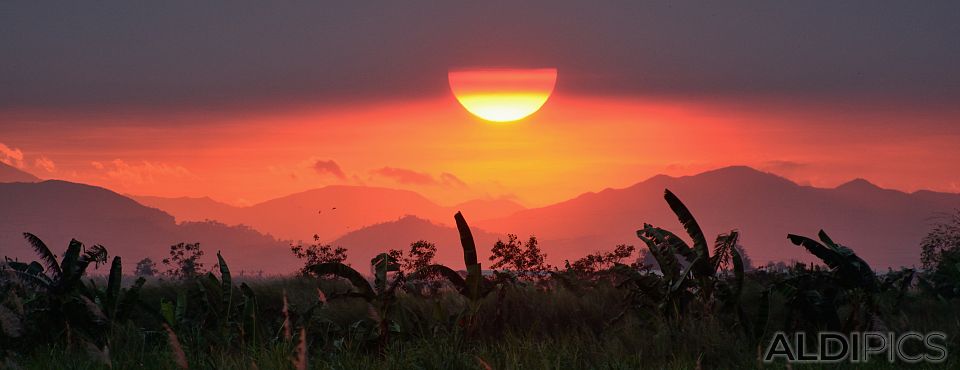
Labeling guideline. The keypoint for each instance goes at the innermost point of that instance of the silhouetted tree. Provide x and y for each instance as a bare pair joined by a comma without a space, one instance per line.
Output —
184,261
943,238
146,267
601,261
317,253
525,259
420,256
940,255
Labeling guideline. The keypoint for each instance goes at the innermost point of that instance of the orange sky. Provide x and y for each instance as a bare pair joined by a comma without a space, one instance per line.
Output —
575,144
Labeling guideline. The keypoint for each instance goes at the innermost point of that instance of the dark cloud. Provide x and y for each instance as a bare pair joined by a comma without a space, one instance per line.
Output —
783,165
202,54
411,177
405,176
329,167
451,180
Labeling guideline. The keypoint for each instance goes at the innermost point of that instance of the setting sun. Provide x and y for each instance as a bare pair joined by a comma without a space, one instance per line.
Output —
502,95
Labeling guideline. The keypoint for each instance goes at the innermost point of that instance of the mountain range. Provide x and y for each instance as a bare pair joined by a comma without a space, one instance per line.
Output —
884,226
330,212
57,211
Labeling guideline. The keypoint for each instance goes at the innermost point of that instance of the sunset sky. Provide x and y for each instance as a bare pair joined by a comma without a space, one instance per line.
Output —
245,104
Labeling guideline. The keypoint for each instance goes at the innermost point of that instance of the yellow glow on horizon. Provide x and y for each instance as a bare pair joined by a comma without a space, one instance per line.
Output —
502,95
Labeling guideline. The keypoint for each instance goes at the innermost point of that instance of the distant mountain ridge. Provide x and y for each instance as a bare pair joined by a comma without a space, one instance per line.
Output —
884,226
330,212
9,173
57,211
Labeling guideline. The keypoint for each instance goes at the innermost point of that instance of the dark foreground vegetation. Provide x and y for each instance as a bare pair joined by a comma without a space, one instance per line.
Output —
693,307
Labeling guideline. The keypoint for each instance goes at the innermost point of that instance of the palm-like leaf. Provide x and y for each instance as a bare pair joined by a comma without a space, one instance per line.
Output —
48,258
344,271
113,286
850,268
724,248
693,229
31,273
96,254
443,271
474,272
664,255
226,283
671,241
827,255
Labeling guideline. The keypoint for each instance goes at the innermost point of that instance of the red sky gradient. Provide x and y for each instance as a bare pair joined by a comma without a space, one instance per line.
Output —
247,103
574,144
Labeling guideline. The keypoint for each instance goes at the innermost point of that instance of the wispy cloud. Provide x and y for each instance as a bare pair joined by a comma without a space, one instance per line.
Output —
11,156
452,180
144,172
782,165
45,163
411,177
405,176
329,167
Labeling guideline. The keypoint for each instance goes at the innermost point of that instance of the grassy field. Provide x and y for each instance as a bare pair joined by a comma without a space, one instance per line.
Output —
527,327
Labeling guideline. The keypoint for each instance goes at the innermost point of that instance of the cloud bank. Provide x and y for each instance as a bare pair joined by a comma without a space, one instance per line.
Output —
132,54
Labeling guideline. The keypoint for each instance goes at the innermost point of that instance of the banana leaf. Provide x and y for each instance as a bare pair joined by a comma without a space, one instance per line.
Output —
226,283
443,271
851,270
344,271
666,259
690,224
113,286
474,272
49,259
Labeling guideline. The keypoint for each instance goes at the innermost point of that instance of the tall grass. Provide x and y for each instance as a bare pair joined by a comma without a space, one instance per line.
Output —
536,328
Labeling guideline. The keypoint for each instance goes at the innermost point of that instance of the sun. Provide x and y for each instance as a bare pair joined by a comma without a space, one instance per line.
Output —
502,94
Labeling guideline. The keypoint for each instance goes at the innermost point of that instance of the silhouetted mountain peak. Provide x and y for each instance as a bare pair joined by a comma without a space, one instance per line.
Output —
724,176
657,179
858,184
742,173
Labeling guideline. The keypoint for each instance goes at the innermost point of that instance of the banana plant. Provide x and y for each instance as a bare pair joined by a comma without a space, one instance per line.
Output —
380,297
61,307
220,313
474,286
665,246
851,270
115,302
57,278
849,277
